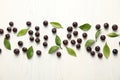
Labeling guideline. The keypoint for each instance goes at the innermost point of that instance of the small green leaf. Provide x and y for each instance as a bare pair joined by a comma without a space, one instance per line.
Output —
30,52
71,51
58,41
56,24
89,42
53,49
85,27
22,32
113,35
7,44
106,51
97,34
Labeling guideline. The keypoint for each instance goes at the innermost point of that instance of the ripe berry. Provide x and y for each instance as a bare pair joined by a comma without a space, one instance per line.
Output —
58,54
65,42
115,51
75,24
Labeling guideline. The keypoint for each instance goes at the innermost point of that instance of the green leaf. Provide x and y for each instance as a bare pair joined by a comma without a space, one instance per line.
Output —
85,27
7,44
58,41
113,35
56,24
97,34
71,51
89,42
106,51
22,32
30,52
53,49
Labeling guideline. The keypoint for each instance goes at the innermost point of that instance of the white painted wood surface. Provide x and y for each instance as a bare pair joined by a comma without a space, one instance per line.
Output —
49,67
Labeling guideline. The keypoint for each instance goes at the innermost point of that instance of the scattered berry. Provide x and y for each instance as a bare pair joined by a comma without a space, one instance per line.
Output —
73,42
9,29
102,37
106,25
14,30
114,27
28,23
115,51
54,30
11,23
16,51
89,49
97,48
75,24
69,36
45,44
69,29
84,35
58,54
20,43
98,26
37,28
65,42
100,55
45,23
75,33
30,32
38,52
7,36
24,49
37,40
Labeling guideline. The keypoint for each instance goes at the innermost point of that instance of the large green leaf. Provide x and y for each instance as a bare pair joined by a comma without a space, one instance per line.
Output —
106,51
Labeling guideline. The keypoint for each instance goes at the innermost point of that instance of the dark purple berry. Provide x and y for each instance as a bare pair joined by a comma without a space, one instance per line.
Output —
65,42
20,43
88,49
102,37
11,23
30,32
92,53
98,26
37,40
7,36
69,29
84,35
97,48
24,49
37,34
58,54
14,30
78,46
0,50
115,51
54,30
45,37
75,24
1,31
106,25
45,44
38,52
28,23
31,38
75,33
79,40
45,23
100,55
73,42
16,51
37,28
9,29
69,36
114,27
